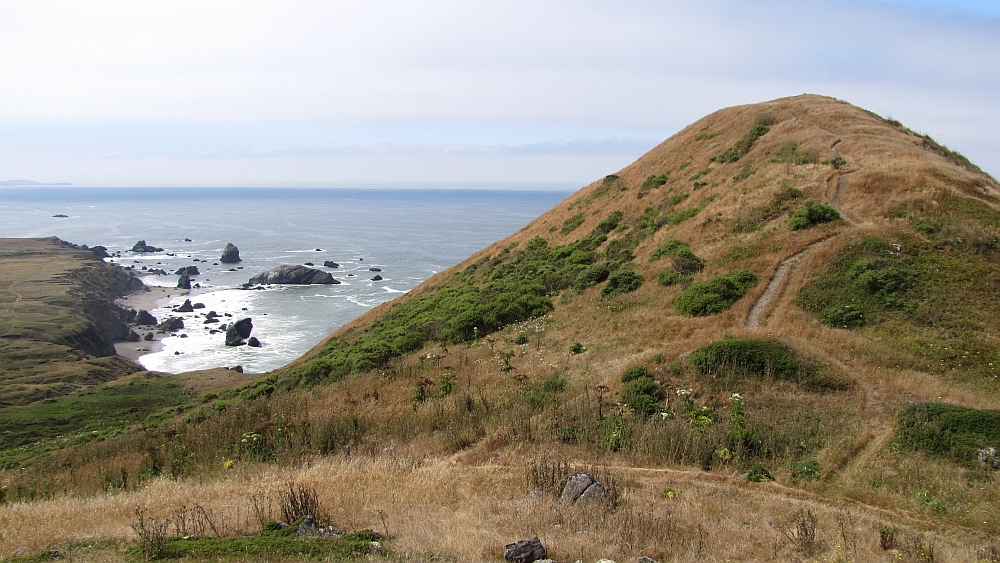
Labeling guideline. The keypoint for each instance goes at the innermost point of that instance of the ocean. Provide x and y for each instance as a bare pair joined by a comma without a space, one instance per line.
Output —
407,234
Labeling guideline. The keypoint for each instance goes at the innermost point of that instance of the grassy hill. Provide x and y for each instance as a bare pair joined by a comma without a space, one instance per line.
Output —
773,337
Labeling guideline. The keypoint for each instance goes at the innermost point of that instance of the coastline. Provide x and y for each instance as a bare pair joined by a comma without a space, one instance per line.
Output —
147,300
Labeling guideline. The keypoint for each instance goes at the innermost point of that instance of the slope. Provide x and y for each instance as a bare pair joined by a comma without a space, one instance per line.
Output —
797,289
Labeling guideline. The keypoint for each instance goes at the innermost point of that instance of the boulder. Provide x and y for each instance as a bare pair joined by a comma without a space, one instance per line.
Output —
374,269
143,318
294,275
191,270
184,282
237,369
309,264
582,487
198,306
331,264
100,251
238,332
231,254
133,336
253,342
148,337
525,551
377,278
142,247
187,307
171,324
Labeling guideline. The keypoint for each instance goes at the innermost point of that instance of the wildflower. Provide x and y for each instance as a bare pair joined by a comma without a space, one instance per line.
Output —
683,392
229,463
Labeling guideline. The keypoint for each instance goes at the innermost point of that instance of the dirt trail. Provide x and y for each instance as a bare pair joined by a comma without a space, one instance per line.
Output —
774,286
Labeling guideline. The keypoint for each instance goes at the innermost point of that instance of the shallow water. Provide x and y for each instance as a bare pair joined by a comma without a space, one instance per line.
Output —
409,234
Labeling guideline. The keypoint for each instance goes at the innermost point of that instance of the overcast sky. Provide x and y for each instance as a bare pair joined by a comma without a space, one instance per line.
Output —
368,92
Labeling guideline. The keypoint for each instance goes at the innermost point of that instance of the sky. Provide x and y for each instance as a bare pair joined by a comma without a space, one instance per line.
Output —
513,93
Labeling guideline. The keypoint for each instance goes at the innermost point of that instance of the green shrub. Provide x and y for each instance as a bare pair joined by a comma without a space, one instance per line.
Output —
759,473
804,470
743,146
622,281
812,214
635,372
572,223
735,359
685,261
642,395
610,223
716,294
652,182
668,278
949,431
752,218
577,348
592,275
682,215
843,316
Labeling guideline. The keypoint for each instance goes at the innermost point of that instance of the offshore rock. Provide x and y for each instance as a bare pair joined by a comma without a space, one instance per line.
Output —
331,264
294,275
187,307
238,332
253,342
231,254
171,324
184,282
142,247
191,271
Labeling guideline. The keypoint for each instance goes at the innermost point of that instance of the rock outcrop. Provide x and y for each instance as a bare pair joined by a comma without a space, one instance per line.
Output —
171,324
238,332
144,318
142,247
191,271
231,254
525,551
331,264
294,275
184,282
187,307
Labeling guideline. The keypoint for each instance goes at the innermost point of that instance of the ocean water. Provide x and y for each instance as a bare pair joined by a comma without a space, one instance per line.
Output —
409,234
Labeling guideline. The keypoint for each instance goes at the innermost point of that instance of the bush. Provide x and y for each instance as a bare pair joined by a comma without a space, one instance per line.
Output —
735,359
642,395
592,275
685,262
572,223
577,348
949,431
743,146
715,295
758,473
843,316
622,281
635,372
668,278
812,214
652,182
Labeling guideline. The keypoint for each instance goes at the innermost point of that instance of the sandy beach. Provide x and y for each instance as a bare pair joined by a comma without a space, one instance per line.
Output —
147,300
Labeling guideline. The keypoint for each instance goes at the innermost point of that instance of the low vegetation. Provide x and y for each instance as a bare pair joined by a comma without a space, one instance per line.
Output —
760,128
812,214
733,360
716,294
952,432
753,218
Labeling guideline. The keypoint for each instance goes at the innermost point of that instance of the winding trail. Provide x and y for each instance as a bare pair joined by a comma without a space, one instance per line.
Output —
776,284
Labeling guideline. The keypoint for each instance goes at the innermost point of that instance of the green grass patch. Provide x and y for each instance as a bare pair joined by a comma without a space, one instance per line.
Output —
99,413
270,544
716,294
569,225
652,182
743,146
678,217
950,432
732,360
705,136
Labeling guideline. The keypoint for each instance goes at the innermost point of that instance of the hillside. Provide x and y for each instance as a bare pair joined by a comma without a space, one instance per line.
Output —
773,337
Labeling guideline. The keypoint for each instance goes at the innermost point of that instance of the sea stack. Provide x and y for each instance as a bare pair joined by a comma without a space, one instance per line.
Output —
238,332
294,275
231,254
142,247
184,282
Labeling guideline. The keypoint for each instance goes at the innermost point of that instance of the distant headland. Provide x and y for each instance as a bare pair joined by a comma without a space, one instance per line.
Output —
31,183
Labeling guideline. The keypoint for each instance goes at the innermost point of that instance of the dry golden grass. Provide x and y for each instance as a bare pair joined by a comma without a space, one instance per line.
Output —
435,506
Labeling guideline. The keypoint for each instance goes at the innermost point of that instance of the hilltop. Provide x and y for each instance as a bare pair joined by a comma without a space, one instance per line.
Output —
772,337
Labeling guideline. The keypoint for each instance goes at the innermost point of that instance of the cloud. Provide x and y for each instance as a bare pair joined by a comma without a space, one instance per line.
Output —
189,80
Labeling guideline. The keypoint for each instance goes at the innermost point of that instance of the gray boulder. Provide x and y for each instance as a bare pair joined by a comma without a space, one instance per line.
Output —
238,332
253,342
143,318
184,282
171,324
582,487
525,551
331,264
148,337
377,278
187,307
294,275
231,254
